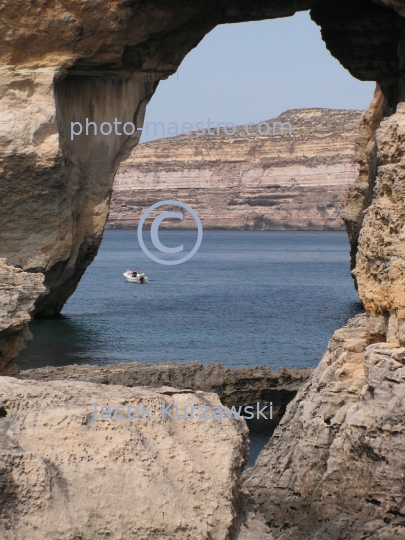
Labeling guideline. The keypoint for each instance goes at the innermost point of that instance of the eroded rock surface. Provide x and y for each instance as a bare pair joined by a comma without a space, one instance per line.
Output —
238,181
62,477
360,194
334,467
380,263
18,292
102,60
240,386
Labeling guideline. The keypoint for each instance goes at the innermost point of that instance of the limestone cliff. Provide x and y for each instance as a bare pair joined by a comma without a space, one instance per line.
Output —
335,465
103,60
246,182
18,292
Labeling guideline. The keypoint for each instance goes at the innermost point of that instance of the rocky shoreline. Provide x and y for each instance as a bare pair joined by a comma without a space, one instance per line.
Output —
347,407
234,387
56,405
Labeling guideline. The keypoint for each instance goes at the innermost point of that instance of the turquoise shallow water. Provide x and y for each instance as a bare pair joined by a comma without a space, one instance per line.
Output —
246,298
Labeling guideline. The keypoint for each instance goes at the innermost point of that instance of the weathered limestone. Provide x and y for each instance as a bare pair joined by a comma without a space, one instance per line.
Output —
246,182
359,195
240,386
380,262
55,192
105,58
63,478
334,467
99,60
18,292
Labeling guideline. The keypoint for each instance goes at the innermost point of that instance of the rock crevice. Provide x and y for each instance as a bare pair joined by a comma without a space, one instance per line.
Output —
235,387
333,468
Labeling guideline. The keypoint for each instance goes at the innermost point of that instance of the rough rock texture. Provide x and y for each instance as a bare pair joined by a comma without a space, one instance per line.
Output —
240,386
359,195
18,292
63,478
380,263
334,467
99,60
102,59
246,182
375,215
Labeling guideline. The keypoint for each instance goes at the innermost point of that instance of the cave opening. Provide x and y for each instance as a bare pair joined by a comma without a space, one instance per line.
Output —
272,297
72,337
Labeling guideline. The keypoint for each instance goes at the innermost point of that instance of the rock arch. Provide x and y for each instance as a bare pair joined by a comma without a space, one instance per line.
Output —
105,59
332,469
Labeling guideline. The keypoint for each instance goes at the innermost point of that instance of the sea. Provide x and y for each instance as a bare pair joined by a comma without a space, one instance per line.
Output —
246,298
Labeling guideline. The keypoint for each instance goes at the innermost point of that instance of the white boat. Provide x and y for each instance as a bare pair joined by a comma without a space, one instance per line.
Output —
131,279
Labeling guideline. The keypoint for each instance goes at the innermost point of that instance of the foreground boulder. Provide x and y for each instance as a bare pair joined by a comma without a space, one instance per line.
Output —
334,468
64,478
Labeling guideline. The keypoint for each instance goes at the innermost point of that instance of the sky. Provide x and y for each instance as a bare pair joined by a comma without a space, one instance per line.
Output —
250,72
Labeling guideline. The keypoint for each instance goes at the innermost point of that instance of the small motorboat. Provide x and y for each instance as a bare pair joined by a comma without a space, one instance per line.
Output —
135,279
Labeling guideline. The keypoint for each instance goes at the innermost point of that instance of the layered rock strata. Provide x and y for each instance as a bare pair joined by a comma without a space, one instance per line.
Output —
100,61
334,467
239,181
63,477
240,386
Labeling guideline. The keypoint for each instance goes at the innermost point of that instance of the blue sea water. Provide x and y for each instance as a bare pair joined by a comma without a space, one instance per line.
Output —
247,298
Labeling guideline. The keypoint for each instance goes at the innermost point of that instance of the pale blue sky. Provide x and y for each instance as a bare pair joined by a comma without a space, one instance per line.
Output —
254,71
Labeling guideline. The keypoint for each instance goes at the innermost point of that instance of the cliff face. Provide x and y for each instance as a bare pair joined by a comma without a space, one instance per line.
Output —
102,61
375,214
18,292
333,468
335,465
246,182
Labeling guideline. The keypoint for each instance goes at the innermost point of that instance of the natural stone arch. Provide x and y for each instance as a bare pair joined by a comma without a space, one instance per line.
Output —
106,58
332,469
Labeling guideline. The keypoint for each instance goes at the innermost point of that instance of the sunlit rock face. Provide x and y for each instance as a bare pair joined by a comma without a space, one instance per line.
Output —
335,465
380,263
18,292
104,59
100,61
334,468
272,181
130,470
